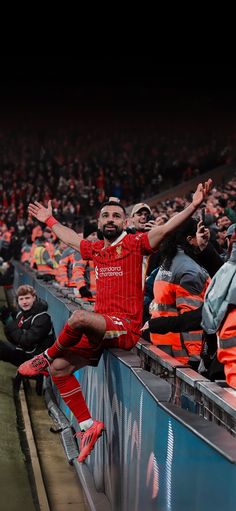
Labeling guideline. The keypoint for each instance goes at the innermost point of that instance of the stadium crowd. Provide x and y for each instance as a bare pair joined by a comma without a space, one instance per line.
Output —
80,170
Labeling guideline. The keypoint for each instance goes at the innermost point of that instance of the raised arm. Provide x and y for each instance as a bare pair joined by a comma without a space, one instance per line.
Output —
157,234
70,237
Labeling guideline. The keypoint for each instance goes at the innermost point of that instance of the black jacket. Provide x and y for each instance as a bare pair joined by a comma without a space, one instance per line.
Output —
31,331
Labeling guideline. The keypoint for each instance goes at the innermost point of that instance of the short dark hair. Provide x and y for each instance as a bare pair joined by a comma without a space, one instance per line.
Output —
112,203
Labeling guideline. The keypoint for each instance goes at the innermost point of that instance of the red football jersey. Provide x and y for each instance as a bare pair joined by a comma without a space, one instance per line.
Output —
118,272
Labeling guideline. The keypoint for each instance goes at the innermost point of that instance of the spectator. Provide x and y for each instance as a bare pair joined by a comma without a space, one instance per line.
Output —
30,332
143,221
140,216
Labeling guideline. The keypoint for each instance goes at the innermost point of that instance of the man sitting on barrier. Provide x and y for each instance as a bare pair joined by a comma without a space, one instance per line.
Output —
30,332
119,301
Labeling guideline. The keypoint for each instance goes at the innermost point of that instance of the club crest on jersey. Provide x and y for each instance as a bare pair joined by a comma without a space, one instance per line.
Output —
119,250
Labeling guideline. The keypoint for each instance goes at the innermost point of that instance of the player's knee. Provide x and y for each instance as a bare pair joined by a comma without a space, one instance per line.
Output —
78,319
60,367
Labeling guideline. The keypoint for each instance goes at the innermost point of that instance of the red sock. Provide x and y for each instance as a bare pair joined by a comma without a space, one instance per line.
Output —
71,393
67,338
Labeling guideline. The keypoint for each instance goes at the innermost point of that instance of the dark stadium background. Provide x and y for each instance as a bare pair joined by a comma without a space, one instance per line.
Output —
54,87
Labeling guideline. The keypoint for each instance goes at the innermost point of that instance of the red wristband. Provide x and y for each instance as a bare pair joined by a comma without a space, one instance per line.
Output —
51,221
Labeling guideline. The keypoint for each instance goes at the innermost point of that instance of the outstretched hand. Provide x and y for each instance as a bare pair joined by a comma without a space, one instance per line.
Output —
201,192
39,211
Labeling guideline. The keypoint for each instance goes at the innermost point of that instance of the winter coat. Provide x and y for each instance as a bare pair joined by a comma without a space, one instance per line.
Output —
31,331
178,290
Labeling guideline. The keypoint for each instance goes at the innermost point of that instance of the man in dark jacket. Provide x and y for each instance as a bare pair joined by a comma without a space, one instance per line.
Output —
30,332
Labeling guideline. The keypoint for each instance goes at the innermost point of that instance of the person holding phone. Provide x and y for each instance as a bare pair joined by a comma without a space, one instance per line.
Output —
142,218
143,221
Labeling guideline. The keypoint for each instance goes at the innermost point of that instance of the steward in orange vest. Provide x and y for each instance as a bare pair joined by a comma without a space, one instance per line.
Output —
83,273
41,257
179,286
64,270
26,250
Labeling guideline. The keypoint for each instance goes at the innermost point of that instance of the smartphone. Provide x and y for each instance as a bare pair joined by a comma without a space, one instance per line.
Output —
150,217
203,215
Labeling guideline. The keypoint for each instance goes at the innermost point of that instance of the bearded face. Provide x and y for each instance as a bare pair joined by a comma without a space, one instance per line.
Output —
111,222
111,231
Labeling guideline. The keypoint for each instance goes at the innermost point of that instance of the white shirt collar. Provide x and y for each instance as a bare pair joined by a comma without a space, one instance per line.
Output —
123,234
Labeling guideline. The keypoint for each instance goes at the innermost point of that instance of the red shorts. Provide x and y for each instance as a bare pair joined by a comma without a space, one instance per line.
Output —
120,333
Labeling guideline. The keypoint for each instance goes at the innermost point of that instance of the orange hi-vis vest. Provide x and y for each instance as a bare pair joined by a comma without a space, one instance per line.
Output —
84,275
226,341
43,261
36,233
48,245
64,272
48,254
177,290
25,253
